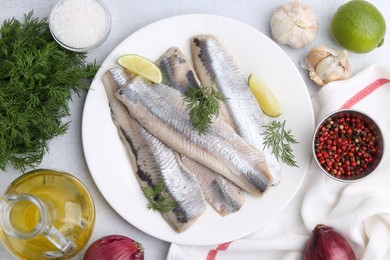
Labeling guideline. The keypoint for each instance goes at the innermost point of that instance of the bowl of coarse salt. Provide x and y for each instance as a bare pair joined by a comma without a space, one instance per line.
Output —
80,25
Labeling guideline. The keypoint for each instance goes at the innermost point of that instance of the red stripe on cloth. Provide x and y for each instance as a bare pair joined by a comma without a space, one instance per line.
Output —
213,253
364,92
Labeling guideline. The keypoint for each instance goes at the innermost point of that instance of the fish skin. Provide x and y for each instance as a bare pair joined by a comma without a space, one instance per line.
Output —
155,161
212,59
176,70
223,195
179,74
160,109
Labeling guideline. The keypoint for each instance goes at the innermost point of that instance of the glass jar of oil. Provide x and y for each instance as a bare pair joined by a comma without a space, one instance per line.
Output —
46,214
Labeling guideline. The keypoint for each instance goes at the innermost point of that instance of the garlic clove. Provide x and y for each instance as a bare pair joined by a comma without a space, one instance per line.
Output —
342,58
294,24
314,77
316,55
328,69
326,65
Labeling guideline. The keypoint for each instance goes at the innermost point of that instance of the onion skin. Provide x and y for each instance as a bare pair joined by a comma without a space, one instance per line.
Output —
326,243
115,247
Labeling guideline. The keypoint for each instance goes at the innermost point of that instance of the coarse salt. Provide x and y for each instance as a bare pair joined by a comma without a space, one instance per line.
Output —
80,24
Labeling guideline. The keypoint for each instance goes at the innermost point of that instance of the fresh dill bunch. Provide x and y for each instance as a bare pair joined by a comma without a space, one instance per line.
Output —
279,141
37,79
157,200
203,104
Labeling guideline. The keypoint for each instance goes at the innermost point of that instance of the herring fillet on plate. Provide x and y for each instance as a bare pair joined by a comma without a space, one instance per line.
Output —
223,195
213,61
155,161
160,109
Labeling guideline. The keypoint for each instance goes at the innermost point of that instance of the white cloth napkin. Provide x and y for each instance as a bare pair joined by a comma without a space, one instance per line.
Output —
359,211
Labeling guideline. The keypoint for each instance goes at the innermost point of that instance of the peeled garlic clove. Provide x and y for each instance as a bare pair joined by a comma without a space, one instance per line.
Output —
326,65
294,24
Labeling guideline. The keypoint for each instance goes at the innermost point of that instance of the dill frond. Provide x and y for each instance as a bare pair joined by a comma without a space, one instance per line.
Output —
203,104
279,141
157,200
37,79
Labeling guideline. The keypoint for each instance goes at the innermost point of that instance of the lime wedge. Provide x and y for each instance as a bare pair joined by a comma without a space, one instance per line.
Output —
266,99
141,66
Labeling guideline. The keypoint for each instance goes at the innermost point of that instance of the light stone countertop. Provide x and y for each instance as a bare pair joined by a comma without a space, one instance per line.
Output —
66,152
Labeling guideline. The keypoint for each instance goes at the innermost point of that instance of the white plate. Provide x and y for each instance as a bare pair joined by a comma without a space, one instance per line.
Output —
107,158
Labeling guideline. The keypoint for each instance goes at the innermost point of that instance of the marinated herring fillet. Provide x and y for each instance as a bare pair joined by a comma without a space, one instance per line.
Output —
160,109
179,74
213,61
223,195
176,70
155,161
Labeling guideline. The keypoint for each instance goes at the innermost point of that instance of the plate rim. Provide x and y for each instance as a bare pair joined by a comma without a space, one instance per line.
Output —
101,71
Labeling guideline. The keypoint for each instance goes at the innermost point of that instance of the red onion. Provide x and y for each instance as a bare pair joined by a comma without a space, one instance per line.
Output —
115,247
326,243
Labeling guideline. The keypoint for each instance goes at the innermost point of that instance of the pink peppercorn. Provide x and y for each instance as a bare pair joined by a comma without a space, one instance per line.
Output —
345,145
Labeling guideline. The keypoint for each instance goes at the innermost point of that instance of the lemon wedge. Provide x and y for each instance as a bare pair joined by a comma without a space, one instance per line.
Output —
141,66
266,99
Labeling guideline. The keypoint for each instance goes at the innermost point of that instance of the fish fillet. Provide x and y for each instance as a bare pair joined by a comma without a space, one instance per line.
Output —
223,195
212,60
155,161
160,109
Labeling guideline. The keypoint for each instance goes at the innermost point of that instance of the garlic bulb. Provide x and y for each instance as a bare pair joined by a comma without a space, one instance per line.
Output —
326,65
294,24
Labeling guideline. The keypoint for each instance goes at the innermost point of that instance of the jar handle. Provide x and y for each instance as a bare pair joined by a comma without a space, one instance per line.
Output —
8,202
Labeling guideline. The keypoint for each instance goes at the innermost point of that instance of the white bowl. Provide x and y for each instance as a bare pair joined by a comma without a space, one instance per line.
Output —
80,25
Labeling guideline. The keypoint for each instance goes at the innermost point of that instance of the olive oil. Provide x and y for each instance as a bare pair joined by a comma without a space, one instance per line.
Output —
70,206
25,216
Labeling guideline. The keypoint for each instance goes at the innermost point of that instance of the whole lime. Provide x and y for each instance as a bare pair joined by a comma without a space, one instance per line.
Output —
358,26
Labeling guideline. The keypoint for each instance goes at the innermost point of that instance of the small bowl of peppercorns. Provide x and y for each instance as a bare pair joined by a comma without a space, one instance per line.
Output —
348,145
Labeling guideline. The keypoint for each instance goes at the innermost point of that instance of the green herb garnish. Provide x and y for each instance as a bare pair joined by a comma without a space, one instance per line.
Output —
203,104
37,79
157,200
279,141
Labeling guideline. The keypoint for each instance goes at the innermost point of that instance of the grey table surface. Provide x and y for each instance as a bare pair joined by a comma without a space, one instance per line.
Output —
66,152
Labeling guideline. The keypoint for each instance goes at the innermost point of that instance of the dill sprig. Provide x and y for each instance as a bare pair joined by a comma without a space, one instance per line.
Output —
279,141
157,200
37,79
203,104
